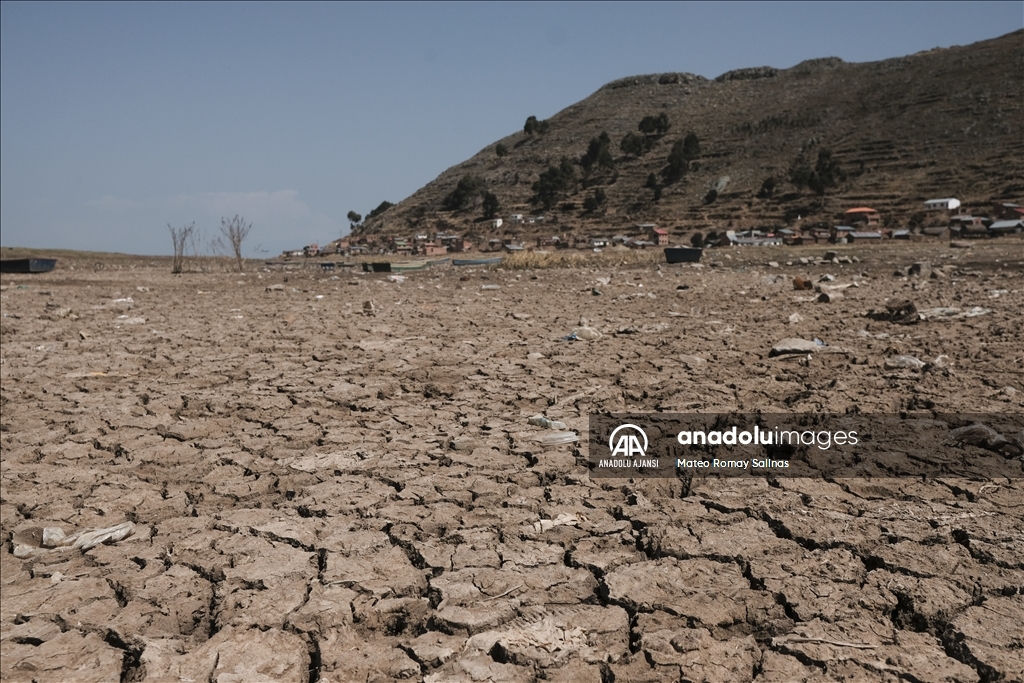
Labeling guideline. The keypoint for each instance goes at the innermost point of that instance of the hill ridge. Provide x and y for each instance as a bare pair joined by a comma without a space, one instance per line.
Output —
942,122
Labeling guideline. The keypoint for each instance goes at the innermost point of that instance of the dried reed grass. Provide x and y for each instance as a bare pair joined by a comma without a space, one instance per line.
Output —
574,258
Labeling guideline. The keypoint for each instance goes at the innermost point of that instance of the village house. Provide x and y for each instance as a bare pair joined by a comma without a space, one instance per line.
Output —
863,236
1006,211
840,232
947,204
940,232
434,249
453,243
402,246
1006,227
659,236
864,215
311,250
497,223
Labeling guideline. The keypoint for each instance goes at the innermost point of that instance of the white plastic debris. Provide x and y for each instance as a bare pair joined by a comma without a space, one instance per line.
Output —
898,362
542,421
33,540
563,519
559,438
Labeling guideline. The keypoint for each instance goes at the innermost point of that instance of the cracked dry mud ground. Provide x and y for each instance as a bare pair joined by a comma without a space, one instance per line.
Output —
322,495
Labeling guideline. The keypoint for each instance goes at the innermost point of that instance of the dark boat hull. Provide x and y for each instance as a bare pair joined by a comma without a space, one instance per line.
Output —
683,254
377,267
27,265
477,261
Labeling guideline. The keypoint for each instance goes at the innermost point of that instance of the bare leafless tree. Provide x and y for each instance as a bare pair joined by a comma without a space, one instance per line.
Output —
182,238
232,233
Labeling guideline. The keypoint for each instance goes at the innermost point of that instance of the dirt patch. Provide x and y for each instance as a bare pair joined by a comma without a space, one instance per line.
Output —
323,495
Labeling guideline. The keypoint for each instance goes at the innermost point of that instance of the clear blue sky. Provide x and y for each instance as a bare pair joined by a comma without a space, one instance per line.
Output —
117,119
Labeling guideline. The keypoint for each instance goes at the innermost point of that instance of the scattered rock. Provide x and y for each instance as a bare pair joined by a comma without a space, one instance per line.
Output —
793,345
586,333
902,311
904,362
921,269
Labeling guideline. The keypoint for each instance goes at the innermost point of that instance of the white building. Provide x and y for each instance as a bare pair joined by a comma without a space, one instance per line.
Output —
948,204
496,223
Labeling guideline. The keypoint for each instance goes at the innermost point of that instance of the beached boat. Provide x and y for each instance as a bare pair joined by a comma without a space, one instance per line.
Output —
27,265
409,266
683,254
477,261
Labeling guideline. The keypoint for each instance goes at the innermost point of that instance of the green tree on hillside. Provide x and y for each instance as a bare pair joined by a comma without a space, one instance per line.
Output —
354,219
491,205
594,202
654,125
767,188
465,193
553,182
678,163
691,146
534,126
683,152
800,175
598,153
827,172
381,208
501,150
635,145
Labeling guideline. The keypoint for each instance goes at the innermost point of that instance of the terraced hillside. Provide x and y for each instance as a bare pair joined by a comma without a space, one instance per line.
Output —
946,122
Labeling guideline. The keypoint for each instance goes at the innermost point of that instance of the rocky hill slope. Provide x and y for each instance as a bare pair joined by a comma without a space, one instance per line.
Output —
946,122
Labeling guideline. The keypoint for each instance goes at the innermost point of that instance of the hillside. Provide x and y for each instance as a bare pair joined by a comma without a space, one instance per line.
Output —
946,122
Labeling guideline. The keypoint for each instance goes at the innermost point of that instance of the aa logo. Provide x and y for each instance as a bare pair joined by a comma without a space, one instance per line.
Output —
628,443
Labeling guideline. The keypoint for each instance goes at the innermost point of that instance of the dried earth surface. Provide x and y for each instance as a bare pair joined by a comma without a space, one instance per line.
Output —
327,490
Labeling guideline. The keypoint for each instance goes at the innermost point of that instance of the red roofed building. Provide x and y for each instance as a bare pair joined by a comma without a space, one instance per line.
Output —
659,236
863,214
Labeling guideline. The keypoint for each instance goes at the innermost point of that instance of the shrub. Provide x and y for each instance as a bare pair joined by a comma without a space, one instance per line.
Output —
534,126
501,150
697,240
711,196
767,188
